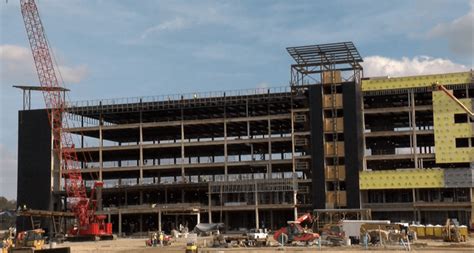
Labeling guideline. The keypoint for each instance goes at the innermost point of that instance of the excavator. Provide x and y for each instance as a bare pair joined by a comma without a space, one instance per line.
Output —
294,232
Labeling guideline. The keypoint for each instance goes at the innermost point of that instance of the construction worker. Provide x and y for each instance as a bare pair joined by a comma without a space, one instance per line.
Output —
154,240
162,237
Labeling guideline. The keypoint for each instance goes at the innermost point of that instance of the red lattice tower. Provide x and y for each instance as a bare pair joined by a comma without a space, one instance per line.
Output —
63,144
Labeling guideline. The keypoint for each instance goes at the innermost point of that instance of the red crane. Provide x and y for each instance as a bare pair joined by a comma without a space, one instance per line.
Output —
84,208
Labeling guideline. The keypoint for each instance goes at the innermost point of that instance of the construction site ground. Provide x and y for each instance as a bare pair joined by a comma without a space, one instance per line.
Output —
138,245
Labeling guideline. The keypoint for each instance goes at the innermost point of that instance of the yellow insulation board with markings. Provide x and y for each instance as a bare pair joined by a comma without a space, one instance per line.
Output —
415,81
446,130
401,179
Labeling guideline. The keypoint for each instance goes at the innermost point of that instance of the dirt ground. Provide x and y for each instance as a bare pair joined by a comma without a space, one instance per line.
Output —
138,245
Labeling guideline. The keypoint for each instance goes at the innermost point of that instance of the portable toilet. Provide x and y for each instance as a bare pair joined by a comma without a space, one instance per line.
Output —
413,229
421,231
429,230
438,231
463,230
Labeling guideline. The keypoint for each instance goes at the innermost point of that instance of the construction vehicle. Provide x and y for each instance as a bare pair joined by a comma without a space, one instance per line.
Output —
88,225
382,233
257,237
295,233
191,247
27,241
451,232
334,234
30,239
8,240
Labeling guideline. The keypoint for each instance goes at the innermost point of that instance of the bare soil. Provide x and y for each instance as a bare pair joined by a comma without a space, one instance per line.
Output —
138,245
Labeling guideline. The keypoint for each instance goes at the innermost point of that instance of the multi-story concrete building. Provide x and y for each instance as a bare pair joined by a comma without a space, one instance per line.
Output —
257,158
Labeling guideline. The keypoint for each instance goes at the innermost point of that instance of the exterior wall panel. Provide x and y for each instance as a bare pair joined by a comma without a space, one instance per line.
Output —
34,163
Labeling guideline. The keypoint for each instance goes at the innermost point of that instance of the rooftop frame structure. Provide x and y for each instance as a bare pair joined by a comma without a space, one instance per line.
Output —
313,61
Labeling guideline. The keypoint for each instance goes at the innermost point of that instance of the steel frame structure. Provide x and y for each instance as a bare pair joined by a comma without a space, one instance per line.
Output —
312,61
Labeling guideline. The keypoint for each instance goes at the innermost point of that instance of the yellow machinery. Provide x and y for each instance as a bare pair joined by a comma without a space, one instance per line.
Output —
452,232
27,240
7,240
30,239
191,248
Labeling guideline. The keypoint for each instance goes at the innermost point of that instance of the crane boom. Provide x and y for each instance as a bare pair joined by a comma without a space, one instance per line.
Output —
56,105
455,99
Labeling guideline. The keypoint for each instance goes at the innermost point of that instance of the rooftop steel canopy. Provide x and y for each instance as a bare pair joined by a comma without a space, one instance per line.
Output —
27,92
315,59
333,53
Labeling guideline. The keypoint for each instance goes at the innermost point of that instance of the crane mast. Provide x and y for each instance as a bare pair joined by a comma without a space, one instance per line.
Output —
63,144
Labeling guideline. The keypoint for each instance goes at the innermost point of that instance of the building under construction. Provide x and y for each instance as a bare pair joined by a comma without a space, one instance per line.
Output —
258,158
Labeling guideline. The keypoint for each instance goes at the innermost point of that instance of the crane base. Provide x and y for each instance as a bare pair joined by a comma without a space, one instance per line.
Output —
83,238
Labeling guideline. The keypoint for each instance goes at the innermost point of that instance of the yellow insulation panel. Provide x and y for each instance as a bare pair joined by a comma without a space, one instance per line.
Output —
415,81
446,130
401,179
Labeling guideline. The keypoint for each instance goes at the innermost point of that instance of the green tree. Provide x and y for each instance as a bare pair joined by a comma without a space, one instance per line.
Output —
6,204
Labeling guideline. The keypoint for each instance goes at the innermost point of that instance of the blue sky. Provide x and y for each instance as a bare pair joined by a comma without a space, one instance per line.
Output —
109,49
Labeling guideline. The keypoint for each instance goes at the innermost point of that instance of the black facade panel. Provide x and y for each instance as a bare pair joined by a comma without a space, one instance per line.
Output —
317,147
34,162
353,141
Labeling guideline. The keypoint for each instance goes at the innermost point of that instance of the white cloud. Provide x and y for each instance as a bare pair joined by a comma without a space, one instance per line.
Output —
263,85
8,172
459,33
73,74
17,67
418,65
175,24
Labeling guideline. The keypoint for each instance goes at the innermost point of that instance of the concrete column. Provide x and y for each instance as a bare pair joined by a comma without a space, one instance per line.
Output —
159,220
295,208
269,168
209,204
126,198
293,161
256,208
226,159
141,223
414,201
271,220
183,175
198,218
119,223
413,125
101,145
471,190
141,149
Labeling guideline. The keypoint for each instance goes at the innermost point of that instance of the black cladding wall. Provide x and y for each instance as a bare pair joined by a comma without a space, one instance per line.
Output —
317,147
353,141
34,162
